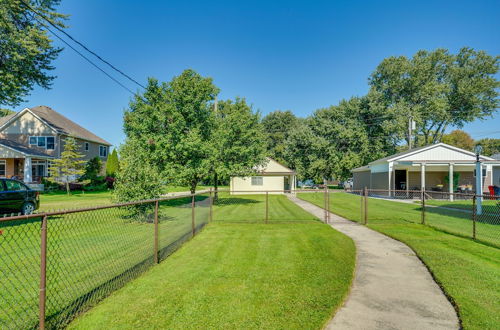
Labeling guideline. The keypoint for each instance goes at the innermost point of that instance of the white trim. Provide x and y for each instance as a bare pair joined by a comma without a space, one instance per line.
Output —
107,151
432,146
22,112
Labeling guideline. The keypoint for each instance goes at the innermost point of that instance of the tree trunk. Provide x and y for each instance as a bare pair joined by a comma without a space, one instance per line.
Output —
193,186
67,187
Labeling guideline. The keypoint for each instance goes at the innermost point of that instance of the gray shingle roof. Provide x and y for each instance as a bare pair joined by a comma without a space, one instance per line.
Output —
4,119
496,156
22,149
64,125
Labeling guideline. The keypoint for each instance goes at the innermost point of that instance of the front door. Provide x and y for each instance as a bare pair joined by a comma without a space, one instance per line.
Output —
400,179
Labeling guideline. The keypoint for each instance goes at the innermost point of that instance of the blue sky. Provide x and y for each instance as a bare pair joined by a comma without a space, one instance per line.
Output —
297,55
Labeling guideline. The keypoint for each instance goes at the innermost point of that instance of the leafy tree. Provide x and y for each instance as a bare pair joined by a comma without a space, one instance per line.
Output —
138,177
92,170
437,89
26,51
6,112
278,125
237,141
490,146
460,139
69,167
112,164
170,125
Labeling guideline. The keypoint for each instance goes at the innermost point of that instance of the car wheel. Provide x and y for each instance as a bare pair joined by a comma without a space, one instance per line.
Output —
28,208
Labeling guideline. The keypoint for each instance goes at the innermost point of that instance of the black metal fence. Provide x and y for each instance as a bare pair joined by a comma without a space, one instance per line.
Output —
55,265
468,215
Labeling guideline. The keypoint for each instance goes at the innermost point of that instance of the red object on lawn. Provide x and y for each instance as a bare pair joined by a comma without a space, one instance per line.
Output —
492,191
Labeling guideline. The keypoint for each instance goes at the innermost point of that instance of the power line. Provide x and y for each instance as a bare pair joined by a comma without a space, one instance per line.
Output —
79,43
85,57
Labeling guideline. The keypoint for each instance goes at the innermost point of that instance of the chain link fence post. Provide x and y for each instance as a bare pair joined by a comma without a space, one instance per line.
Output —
43,273
422,200
366,205
474,217
211,201
325,204
156,234
361,198
193,205
267,206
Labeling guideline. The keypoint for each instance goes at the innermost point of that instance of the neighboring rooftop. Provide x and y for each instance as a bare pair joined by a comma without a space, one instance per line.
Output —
64,125
496,156
9,144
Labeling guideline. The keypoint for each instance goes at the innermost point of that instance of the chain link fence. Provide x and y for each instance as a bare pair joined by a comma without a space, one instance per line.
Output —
272,206
462,214
56,265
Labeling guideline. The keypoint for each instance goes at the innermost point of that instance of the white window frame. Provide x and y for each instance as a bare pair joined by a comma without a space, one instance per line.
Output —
255,182
86,146
101,147
4,163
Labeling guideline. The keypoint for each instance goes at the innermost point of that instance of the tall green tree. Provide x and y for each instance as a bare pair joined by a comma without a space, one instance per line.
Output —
26,50
112,164
490,146
237,141
277,126
337,139
460,139
92,170
437,89
170,125
69,167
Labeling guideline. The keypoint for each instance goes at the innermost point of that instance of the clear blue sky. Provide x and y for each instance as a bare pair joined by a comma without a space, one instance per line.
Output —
277,54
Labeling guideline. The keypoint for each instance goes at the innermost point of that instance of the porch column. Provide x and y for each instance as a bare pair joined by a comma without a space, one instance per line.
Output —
27,170
450,181
422,177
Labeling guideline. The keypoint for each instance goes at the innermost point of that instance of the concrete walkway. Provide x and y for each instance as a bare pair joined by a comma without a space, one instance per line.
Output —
392,289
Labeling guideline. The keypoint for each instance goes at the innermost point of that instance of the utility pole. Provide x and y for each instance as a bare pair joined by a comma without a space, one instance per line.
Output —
411,127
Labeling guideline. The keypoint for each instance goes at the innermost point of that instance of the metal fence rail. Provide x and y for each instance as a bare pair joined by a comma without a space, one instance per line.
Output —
463,214
55,265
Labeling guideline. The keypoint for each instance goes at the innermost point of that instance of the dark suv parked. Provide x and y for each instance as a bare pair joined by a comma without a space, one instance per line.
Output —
15,196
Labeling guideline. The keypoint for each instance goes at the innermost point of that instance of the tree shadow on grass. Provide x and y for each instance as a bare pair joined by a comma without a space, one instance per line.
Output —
228,201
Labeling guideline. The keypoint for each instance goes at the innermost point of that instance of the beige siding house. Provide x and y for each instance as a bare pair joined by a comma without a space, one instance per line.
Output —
32,137
271,177
426,168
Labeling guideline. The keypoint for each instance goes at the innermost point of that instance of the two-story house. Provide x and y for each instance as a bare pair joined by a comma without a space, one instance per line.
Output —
32,137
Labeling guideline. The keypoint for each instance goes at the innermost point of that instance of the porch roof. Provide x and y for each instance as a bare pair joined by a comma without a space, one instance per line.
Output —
9,148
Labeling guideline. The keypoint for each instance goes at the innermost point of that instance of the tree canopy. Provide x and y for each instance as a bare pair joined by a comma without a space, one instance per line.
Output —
26,51
237,140
437,89
277,126
490,146
112,164
460,139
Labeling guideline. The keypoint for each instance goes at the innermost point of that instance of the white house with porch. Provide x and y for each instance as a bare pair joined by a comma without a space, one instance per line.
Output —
428,168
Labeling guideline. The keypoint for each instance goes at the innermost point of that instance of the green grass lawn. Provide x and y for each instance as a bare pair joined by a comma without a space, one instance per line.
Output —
241,276
91,254
468,271
252,208
61,201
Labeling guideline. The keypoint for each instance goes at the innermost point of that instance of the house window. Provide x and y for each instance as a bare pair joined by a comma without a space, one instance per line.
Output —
103,151
484,172
50,143
86,146
2,167
33,140
257,181
41,141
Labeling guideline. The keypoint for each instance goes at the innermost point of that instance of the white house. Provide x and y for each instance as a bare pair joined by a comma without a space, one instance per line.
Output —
272,177
426,168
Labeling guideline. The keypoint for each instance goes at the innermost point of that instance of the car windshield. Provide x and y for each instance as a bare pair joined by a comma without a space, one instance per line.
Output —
12,185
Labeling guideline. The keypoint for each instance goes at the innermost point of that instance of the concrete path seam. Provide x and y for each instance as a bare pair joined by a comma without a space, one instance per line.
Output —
391,289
